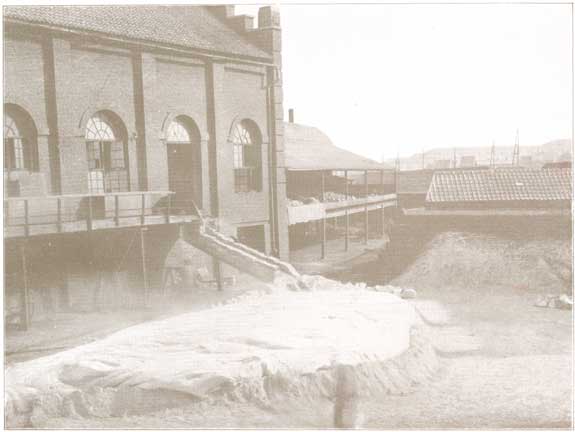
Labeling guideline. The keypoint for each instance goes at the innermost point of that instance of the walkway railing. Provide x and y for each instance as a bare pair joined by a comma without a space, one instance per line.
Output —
26,216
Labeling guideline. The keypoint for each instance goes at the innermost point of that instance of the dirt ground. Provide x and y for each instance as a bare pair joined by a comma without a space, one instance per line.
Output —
520,376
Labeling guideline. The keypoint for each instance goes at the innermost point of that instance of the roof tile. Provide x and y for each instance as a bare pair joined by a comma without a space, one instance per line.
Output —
502,184
185,26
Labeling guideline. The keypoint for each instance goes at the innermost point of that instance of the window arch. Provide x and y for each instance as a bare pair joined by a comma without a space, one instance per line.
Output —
246,140
182,130
20,140
106,148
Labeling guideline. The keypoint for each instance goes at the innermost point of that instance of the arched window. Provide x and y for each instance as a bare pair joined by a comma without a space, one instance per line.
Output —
178,132
19,141
106,141
247,157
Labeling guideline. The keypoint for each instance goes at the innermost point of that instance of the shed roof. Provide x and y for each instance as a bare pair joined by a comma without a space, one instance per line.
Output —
184,26
416,181
500,184
308,148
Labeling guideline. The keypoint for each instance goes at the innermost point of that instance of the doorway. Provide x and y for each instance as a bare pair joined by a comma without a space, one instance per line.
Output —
185,177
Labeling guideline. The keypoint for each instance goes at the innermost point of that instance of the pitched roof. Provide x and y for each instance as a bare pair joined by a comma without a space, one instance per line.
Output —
500,184
182,26
416,181
308,148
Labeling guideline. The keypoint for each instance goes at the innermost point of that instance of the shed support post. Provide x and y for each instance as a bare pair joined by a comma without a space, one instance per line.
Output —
383,220
366,214
323,223
346,213
346,230
322,186
24,297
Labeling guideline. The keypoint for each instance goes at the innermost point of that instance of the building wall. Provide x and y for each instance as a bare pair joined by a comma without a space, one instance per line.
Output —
61,80
146,91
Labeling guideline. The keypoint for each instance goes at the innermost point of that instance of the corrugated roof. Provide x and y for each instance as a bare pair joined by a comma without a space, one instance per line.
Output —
501,184
308,148
184,26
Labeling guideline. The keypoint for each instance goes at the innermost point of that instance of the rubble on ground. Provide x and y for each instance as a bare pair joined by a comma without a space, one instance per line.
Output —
562,301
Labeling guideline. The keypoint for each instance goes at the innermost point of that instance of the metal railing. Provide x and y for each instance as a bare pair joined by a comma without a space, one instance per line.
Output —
64,213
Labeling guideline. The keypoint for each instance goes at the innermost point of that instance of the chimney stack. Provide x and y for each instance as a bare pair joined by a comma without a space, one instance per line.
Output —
290,112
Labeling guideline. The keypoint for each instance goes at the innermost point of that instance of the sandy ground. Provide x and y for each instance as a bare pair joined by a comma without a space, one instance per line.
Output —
67,330
255,349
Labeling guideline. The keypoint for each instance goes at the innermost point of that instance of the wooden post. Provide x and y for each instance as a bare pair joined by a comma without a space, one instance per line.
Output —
6,213
26,221
323,221
89,221
168,208
323,237
322,186
143,212
366,214
59,208
144,267
218,274
117,210
346,230
382,220
24,298
346,213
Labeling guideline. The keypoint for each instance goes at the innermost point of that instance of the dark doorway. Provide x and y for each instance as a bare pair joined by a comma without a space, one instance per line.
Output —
185,174
253,236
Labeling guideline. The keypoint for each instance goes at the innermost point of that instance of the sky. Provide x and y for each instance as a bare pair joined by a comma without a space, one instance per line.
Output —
388,79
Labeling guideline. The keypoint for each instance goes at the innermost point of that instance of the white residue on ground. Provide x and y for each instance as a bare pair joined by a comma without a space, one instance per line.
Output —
220,353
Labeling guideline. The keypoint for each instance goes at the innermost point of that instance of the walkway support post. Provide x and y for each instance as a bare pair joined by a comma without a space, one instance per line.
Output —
24,297
144,267
218,274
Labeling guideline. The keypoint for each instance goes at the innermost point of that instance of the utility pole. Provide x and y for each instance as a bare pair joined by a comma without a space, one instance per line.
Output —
516,149
492,158
423,159
396,173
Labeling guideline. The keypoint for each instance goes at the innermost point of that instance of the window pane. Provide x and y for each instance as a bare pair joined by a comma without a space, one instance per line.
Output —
98,128
18,154
8,153
177,132
117,159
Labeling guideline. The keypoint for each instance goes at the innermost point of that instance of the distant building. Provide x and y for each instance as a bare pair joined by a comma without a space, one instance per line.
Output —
500,189
442,164
467,162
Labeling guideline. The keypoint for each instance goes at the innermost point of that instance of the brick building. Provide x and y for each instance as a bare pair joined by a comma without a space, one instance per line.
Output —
120,121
